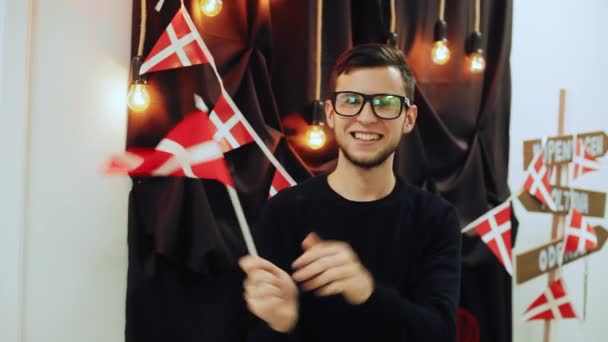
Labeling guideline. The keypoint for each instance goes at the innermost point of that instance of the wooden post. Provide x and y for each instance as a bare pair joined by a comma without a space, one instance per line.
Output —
557,226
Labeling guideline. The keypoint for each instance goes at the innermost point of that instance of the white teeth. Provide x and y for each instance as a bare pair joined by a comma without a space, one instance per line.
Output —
366,136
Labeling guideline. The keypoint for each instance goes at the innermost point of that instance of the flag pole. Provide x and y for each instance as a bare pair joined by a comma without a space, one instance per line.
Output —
240,216
585,289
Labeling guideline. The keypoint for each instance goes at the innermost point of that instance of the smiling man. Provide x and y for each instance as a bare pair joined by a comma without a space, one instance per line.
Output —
358,255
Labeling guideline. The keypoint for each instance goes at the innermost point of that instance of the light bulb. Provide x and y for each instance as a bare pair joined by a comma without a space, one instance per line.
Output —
138,98
477,62
315,137
211,8
440,52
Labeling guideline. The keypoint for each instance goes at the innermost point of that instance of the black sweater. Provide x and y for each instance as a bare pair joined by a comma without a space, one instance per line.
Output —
408,240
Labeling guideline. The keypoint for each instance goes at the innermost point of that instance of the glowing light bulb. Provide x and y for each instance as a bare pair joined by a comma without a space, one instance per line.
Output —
440,52
315,137
138,98
477,62
211,8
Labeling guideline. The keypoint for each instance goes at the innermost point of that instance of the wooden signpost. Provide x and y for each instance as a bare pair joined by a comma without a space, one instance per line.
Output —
559,149
545,258
558,152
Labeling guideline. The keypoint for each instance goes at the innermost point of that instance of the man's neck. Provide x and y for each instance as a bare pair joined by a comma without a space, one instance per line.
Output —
362,185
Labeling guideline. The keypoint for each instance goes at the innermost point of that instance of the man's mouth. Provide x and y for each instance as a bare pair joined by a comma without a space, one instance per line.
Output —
366,136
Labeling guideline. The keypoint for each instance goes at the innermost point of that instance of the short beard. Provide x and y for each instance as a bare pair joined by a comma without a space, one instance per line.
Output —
373,163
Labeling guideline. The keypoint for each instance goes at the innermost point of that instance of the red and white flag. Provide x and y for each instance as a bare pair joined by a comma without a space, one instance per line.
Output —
279,182
582,161
537,181
552,304
231,130
180,45
580,235
188,150
494,228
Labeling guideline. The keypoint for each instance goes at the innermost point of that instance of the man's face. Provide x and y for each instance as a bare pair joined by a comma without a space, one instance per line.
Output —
366,140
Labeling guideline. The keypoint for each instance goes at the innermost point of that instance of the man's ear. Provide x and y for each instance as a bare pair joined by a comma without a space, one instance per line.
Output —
410,119
329,113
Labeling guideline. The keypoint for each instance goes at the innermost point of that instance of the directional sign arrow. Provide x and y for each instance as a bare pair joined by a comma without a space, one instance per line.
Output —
559,149
543,259
589,203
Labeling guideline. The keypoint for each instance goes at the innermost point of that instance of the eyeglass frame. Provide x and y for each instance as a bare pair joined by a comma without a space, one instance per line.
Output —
404,101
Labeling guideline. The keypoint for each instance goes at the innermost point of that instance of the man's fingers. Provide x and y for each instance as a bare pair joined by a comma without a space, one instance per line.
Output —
332,275
261,305
311,240
258,276
319,266
263,290
335,288
321,250
250,263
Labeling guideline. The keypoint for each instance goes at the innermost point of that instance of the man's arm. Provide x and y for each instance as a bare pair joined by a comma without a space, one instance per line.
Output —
429,312
424,311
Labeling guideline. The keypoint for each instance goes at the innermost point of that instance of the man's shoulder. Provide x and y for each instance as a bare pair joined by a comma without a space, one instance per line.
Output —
299,193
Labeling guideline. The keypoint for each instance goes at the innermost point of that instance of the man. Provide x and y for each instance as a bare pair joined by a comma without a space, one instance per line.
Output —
358,255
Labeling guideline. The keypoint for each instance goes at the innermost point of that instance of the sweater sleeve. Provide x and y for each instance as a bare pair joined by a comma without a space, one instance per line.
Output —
428,313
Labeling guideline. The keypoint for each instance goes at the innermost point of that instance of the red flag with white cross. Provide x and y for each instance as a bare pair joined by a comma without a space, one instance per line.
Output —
553,303
188,150
494,229
180,45
279,182
537,181
582,161
580,235
231,131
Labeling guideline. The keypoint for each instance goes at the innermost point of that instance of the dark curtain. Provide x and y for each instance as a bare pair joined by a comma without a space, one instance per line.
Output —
183,280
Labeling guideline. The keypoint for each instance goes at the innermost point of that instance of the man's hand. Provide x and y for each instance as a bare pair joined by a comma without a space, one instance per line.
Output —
332,267
270,293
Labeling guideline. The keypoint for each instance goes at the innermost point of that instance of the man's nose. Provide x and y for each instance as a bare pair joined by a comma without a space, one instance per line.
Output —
367,114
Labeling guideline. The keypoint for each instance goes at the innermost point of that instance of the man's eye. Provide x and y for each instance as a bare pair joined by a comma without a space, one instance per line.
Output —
352,100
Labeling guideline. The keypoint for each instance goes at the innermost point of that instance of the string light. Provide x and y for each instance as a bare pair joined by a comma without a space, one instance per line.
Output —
476,58
211,8
138,97
440,53
315,135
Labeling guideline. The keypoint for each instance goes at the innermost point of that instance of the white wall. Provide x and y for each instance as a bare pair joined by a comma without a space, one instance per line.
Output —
63,245
559,44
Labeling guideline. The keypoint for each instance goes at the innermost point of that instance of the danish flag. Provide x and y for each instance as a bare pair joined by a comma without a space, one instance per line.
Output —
580,235
552,304
180,45
231,131
537,181
279,182
494,228
582,161
188,150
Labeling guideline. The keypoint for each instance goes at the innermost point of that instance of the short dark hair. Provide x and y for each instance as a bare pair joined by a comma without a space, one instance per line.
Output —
373,55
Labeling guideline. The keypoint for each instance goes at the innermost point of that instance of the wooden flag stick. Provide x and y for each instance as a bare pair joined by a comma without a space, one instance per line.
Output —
557,229
240,216
585,289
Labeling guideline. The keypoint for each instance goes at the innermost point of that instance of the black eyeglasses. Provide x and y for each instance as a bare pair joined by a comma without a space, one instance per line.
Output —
384,106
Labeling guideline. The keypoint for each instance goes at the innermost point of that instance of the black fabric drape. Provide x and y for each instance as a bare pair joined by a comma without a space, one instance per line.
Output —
183,282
